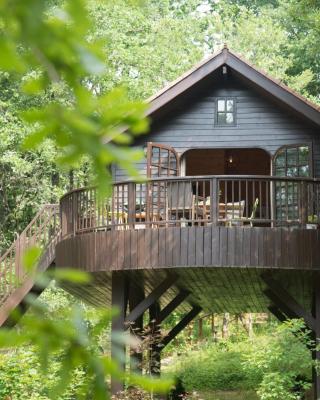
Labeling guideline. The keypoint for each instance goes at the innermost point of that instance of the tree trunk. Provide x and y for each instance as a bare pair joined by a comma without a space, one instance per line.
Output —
200,328
213,326
250,325
225,326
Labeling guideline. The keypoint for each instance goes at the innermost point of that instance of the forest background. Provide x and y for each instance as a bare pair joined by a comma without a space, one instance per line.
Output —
145,46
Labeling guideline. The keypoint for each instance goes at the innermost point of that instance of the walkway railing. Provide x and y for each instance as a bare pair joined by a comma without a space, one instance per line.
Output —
200,200
41,232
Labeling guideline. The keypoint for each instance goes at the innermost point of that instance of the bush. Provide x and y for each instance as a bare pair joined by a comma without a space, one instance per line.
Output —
21,377
276,365
217,368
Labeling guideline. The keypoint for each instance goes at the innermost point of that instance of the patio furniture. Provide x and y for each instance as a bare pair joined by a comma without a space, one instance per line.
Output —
182,203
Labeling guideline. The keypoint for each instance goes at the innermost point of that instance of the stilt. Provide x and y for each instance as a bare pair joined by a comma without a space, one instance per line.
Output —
316,353
155,331
119,302
136,295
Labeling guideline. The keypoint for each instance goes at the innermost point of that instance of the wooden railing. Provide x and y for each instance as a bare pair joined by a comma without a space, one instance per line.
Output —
200,200
41,232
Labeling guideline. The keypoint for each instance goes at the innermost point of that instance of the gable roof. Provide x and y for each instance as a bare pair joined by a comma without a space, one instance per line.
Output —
260,78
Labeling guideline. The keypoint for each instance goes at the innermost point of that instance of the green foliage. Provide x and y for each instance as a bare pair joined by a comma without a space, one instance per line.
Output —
68,357
21,376
281,360
273,364
51,45
217,367
276,385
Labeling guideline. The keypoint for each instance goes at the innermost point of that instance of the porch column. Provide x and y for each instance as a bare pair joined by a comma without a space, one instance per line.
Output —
119,299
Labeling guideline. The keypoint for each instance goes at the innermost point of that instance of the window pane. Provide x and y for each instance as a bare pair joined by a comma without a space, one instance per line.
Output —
221,105
304,155
280,159
280,172
164,158
221,118
304,170
292,156
230,105
229,118
292,171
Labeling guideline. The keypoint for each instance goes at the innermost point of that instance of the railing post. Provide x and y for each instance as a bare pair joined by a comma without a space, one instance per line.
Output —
214,201
18,254
131,204
304,204
74,213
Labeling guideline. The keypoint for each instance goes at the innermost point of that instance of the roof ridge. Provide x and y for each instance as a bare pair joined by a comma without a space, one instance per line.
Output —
277,81
227,51
184,75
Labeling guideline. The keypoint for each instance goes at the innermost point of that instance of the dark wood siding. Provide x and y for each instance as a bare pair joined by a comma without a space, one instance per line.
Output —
261,123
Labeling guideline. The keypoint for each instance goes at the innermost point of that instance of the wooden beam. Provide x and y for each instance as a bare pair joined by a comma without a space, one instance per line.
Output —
155,336
286,303
316,352
169,308
152,298
180,326
280,305
277,313
136,295
119,298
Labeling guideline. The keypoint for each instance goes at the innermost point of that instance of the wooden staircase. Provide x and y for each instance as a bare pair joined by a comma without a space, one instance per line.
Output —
15,282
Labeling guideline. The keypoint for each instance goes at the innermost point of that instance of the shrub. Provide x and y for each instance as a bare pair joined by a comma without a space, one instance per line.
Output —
216,368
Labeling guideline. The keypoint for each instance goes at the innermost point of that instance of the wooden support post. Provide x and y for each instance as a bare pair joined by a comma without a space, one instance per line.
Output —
316,332
155,335
180,326
119,301
136,296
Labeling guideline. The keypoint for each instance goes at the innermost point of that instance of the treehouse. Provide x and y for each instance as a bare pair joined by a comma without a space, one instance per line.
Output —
226,219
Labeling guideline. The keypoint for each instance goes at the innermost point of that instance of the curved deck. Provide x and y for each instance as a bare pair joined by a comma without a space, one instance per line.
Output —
210,232
194,246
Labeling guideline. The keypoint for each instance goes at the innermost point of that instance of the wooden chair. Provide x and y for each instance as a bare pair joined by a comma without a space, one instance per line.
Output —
234,213
181,202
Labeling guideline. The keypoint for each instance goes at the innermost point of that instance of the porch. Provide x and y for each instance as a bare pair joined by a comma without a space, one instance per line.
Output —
225,200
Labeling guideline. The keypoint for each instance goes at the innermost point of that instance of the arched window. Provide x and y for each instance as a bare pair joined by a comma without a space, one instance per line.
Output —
293,161
290,161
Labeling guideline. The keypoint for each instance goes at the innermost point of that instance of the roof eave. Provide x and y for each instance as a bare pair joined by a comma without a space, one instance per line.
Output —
225,57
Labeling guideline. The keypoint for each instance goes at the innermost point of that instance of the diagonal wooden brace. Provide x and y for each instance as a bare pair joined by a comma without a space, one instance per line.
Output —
152,298
277,313
286,303
180,326
169,308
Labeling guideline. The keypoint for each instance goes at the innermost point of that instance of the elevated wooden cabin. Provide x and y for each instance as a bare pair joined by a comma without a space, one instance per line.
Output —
226,220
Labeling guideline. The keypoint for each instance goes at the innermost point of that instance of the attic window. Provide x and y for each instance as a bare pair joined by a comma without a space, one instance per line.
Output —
225,111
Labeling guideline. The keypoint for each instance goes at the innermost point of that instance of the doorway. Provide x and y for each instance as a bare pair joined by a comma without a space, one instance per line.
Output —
251,197
198,162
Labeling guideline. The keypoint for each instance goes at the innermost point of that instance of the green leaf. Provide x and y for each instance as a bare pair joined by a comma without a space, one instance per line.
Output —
70,275
9,59
30,258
